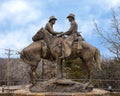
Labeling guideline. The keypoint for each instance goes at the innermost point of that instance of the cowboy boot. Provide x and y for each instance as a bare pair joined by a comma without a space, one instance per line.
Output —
61,57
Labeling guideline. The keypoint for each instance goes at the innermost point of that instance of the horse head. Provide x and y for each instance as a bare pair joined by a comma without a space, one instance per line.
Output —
38,36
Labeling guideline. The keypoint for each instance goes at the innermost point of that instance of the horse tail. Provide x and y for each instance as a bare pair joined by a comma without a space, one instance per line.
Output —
97,58
25,58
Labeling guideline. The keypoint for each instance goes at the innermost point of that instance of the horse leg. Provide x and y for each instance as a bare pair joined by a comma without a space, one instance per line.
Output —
32,73
59,68
89,67
36,74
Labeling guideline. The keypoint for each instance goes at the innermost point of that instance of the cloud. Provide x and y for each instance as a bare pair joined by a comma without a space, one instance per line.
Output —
111,4
19,12
17,21
13,40
105,4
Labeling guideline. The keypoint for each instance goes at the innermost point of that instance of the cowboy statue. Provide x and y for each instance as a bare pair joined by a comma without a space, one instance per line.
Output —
72,36
49,26
54,46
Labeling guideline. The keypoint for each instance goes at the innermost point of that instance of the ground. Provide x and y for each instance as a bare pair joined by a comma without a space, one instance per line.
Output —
24,90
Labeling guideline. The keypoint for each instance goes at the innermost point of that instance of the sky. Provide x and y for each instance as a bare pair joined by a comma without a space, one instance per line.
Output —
20,20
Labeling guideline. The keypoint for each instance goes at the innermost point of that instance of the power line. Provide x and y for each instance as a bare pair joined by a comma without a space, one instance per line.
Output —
13,51
8,53
8,65
17,50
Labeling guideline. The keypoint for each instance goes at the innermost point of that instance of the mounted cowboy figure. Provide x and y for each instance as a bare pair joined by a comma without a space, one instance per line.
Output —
73,35
47,45
49,26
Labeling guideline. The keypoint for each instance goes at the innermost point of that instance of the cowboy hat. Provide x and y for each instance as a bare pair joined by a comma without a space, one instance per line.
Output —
71,15
52,18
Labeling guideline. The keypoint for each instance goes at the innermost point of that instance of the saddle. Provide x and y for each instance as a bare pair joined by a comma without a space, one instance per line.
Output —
70,43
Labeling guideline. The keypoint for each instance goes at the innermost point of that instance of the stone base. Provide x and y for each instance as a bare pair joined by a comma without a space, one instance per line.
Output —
60,85
59,94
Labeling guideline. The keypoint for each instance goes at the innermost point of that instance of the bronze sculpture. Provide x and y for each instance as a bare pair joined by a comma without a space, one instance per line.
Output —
87,55
51,47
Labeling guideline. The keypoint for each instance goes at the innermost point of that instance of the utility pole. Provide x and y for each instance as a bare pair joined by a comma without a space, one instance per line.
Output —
8,66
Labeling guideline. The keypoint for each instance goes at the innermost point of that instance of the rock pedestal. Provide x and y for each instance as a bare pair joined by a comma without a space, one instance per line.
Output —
60,85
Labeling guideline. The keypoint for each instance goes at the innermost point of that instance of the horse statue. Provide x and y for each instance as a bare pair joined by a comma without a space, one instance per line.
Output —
33,54
88,53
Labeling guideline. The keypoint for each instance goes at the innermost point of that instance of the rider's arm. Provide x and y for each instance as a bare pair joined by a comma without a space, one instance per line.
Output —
50,29
71,29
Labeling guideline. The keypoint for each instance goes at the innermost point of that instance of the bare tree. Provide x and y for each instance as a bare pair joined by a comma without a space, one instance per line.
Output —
111,38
